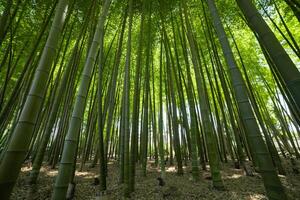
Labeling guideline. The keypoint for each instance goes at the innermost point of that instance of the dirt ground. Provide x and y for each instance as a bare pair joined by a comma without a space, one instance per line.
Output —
238,186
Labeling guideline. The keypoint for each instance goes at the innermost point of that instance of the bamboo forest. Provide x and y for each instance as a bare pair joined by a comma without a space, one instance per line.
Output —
150,99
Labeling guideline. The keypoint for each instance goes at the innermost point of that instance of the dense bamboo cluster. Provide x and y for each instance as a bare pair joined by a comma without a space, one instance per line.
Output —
174,81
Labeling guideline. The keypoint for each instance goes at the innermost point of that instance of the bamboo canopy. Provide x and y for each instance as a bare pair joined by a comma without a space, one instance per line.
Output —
180,83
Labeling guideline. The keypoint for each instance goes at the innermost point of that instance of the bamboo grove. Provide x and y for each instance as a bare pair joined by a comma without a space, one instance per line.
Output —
190,82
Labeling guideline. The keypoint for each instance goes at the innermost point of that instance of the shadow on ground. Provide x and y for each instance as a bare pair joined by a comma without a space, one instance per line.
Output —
237,185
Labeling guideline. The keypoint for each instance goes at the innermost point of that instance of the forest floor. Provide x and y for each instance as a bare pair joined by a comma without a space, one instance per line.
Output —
238,186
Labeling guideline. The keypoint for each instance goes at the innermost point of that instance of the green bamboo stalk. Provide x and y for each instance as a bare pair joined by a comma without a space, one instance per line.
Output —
272,183
70,145
282,62
22,134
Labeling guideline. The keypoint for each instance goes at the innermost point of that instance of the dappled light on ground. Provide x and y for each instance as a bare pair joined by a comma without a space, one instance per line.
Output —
234,176
238,186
